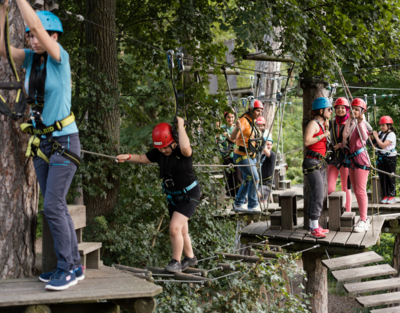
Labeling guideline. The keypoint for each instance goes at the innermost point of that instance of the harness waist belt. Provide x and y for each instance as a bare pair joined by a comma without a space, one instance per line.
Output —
314,154
354,154
180,195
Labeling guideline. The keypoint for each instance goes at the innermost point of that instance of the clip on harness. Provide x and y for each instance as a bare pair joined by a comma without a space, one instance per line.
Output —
174,196
35,126
317,156
348,158
20,104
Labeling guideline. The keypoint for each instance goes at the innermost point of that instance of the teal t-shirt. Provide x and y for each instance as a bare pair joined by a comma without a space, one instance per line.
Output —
57,90
229,131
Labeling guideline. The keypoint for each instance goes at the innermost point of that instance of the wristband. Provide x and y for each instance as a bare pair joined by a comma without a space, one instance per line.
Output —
129,157
318,138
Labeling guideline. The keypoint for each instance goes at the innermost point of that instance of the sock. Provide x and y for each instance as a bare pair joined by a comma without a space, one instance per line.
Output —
310,222
314,224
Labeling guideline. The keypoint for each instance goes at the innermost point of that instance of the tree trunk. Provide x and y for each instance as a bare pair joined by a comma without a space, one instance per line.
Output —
317,281
268,87
311,92
396,259
19,190
103,123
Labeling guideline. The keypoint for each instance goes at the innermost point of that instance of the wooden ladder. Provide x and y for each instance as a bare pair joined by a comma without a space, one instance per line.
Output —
343,270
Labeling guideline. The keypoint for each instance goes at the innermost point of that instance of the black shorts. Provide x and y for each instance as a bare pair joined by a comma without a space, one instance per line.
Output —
185,207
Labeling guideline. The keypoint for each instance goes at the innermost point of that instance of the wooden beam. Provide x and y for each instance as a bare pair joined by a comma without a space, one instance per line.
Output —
106,307
213,71
139,305
264,57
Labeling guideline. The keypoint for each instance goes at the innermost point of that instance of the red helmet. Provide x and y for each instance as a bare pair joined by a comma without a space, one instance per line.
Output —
162,135
261,120
258,104
385,120
357,102
341,101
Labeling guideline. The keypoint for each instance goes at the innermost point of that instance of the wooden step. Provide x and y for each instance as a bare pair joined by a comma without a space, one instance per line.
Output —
364,272
90,254
373,285
381,299
352,260
387,310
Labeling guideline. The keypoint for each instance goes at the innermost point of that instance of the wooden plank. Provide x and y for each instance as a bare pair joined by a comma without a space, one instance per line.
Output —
298,235
352,260
271,233
364,272
381,299
335,209
93,259
78,215
373,233
340,239
373,285
284,234
248,230
387,310
87,247
355,239
261,230
309,239
328,239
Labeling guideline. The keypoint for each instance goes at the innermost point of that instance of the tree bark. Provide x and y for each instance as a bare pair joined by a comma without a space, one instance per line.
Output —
103,60
317,281
312,91
396,259
19,190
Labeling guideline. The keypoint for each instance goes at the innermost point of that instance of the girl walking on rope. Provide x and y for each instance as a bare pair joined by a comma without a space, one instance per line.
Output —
48,80
234,177
387,159
357,159
337,164
314,164
179,184
246,126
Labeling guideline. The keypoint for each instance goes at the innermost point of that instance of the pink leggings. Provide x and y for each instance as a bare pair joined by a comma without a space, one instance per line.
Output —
333,174
359,179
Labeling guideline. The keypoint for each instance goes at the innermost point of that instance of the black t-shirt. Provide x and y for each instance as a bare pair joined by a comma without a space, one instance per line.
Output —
179,166
267,168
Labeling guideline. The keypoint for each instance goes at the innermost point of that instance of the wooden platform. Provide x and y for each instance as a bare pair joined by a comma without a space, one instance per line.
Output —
101,284
340,243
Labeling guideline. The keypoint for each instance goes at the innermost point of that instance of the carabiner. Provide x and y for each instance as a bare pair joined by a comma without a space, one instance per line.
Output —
170,58
181,65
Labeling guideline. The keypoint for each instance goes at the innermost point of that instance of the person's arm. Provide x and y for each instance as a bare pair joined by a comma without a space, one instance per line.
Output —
18,54
363,130
236,131
184,142
311,130
381,144
142,158
36,28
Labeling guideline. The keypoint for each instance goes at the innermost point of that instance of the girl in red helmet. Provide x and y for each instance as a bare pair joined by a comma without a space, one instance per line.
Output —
357,159
337,165
387,159
179,184
246,126
234,177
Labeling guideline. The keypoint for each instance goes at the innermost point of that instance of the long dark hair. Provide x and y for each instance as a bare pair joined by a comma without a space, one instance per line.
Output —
312,114
391,127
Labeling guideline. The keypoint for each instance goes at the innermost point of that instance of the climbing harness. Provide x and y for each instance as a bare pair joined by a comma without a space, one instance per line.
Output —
384,156
174,197
20,103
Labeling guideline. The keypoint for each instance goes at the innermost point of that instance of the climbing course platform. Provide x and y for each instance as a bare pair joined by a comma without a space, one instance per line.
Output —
350,268
106,283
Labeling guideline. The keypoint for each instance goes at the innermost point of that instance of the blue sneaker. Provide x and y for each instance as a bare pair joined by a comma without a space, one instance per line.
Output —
45,277
62,280
79,273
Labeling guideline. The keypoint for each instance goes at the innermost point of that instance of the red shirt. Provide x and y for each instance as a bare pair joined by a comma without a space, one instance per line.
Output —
319,146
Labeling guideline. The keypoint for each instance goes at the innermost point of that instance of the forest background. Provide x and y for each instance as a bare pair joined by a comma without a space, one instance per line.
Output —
122,89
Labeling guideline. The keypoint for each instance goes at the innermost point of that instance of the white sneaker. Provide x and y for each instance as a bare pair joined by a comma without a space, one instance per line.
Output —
256,209
240,207
361,226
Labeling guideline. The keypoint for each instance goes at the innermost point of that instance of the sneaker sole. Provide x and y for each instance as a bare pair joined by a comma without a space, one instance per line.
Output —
193,264
44,280
80,278
317,237
59,288
241,210
174,271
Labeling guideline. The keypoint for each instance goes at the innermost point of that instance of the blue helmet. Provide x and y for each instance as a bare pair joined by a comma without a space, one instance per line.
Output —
270,139
50,22
321,103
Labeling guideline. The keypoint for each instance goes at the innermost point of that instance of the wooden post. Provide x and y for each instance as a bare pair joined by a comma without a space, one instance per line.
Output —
317,281
104,307
376,189
37,309
288,202
140,305
337,202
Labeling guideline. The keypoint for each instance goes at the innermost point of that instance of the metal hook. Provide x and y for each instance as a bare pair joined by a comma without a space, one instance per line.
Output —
181,65
170,58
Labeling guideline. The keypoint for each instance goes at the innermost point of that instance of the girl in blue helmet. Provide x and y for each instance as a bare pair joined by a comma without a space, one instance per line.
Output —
314,164
48,84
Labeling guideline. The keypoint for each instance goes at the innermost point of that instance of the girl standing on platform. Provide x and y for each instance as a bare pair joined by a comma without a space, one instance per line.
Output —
357,159
233,176
179,184
314,164
387,159
337,165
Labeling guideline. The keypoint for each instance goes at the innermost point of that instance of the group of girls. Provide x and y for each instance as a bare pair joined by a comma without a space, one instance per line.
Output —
348,134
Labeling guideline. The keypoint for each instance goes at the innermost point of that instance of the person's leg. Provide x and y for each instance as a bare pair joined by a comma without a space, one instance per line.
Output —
187,243
344,174
359,181
382,178
243,190
229,178
176,226
238,180
315,180
333,174
392,180
253,185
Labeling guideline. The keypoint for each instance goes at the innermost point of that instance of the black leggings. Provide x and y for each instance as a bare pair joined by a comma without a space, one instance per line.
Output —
388,183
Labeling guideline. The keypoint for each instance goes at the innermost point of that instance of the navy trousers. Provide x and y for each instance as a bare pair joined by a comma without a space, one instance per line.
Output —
55,179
